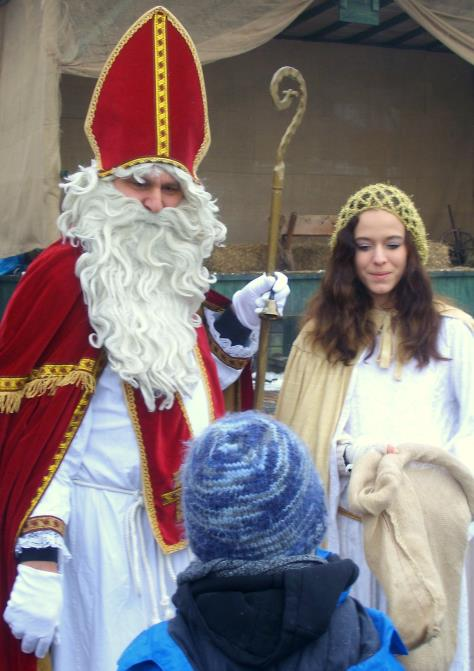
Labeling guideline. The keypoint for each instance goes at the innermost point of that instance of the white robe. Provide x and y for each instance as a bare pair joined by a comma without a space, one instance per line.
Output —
433,406
117,581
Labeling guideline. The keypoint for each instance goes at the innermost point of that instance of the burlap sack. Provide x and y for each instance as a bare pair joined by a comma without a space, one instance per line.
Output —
416,518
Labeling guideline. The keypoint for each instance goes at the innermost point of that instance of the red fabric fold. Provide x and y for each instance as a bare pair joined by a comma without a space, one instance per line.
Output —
164,435
46,325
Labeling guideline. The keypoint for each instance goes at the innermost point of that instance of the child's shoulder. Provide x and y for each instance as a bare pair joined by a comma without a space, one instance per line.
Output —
154,650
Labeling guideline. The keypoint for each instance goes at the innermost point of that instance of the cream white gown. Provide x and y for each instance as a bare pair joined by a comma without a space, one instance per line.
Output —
433,406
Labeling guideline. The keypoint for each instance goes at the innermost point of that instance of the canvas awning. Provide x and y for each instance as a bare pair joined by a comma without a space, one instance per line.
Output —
41,40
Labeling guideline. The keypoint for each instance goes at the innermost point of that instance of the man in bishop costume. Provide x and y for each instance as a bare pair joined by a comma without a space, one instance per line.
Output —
113,353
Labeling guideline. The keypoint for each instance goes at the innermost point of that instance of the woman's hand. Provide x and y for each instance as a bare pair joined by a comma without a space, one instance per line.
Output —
358,448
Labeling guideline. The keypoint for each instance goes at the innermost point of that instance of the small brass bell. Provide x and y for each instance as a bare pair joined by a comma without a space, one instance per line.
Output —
270,310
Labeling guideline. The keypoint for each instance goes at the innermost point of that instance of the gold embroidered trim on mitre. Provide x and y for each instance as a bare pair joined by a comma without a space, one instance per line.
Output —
46,380
44,523
103,76
145,159
100,82
161,85
207,132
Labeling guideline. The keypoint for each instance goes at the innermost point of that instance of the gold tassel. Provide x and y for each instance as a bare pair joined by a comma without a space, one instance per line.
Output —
10,401
49,385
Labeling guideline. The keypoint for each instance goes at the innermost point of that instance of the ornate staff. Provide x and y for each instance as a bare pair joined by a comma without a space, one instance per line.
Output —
270,311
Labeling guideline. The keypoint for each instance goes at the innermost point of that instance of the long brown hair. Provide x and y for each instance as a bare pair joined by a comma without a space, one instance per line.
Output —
341,307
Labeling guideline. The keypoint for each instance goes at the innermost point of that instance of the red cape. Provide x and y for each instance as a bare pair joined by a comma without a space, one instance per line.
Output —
48,372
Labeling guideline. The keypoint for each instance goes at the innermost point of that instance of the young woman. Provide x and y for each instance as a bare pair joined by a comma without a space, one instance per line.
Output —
379,362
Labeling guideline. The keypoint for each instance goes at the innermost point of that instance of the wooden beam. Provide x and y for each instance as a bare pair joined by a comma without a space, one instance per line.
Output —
331,28
436,45
365,34
404,38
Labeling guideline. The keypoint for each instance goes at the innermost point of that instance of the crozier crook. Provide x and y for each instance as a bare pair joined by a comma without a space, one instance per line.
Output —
282,101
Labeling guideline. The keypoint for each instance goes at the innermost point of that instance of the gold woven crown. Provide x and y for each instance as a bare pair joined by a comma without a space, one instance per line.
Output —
389,198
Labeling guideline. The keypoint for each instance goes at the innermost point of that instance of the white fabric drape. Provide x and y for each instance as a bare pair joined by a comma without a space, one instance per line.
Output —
219,30
450,21
41,39
29,125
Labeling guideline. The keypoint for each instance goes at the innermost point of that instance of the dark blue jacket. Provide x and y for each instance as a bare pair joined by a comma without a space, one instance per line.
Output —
295,620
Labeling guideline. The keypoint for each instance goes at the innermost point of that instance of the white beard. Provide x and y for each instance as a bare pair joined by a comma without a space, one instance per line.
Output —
143,281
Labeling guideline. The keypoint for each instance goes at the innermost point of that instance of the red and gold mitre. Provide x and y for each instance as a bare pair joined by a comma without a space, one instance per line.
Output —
149,104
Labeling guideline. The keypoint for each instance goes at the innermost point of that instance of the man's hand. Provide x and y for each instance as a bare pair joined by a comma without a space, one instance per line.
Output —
249,301
34,608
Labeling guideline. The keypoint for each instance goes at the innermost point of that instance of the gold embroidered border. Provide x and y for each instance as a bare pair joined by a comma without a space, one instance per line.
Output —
207,386
237,363
212,306
347,513
147,488
42,523
45,380
103,75
161,85
207,132
185,414
145,159
71,430
174,496
100,82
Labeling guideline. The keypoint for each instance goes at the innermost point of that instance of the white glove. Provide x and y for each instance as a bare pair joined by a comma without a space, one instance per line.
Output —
33,609
249,301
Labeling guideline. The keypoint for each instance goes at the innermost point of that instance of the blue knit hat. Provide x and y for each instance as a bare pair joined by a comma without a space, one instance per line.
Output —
250,491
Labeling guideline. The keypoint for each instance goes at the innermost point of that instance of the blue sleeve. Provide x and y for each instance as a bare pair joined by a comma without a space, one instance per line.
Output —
389,636
390,645
154,650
